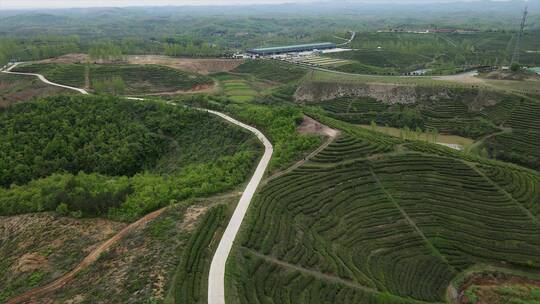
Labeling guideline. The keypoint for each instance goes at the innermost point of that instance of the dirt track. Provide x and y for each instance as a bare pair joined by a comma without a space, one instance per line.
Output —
216,278
310,126
87,261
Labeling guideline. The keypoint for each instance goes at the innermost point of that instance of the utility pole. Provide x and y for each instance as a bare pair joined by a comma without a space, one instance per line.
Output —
515,57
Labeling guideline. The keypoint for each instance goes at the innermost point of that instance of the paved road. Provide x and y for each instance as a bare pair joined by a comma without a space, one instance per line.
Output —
43,79
216,278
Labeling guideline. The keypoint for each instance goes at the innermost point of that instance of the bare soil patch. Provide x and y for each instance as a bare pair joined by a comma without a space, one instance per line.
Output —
208,88
18,88
68,58
201,66
311,126
486,285
45,245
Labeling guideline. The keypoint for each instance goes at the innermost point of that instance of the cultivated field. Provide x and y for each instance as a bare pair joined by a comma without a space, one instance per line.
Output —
135,79
366,222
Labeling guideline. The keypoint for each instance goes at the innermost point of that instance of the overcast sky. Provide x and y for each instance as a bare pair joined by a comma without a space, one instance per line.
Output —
10,4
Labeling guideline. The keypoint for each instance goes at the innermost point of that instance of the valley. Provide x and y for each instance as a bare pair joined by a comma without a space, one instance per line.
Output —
166,162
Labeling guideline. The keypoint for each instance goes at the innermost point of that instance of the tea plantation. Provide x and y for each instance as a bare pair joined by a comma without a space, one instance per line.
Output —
372,219
136,79
506,124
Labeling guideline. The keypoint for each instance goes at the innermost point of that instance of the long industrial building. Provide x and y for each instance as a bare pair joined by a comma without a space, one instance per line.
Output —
292,49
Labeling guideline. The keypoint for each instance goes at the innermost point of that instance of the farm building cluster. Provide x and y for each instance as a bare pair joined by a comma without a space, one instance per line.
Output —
307,54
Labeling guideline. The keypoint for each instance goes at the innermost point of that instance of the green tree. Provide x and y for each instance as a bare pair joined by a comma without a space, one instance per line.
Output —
118,85
62,209
434,134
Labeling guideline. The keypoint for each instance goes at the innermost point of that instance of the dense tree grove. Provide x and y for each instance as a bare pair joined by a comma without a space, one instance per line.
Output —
36,48
107,155
105,51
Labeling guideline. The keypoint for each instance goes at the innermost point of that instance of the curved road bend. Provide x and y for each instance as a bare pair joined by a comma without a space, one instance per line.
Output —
43,79
216,278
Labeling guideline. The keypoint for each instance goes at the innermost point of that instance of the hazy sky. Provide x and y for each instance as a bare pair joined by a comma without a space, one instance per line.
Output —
6,4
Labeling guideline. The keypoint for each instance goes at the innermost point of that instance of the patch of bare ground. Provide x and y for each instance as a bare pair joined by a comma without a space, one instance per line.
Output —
467,78
68,58
205,88
495,288
44,246
138,268
313,127
17,88
201,66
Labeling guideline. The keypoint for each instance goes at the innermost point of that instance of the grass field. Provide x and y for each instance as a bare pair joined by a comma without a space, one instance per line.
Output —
369,222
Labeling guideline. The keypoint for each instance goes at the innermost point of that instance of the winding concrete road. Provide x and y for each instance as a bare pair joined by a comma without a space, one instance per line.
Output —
216,278
43,79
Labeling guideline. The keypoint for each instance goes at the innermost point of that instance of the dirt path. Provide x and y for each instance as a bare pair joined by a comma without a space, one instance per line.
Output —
310,126
216,278
87,261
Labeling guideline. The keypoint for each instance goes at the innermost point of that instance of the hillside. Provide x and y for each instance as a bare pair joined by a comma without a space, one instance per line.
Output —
373,219
36,248
98,156
130,78
502,122
16,88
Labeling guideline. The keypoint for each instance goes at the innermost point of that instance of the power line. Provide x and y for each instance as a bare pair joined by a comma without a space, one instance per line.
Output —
515,57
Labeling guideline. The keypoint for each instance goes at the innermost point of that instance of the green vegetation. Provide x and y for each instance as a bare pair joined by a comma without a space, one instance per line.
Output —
237,89
279,125
521,145
105,51
19,88
36,248
271,70
508,294
372,221
109,156
66,74
37,47
452,114
190,279
133,79
503,123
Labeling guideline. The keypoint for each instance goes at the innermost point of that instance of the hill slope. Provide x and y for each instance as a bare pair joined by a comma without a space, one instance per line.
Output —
376,220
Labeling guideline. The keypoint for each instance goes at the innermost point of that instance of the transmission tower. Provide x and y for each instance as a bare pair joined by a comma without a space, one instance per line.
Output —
515,57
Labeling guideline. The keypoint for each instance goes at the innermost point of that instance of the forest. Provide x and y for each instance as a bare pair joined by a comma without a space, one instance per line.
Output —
106,156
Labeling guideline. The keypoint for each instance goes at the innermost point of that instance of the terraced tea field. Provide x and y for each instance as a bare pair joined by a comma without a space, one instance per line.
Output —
138,79
506,125
238,90
370,220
